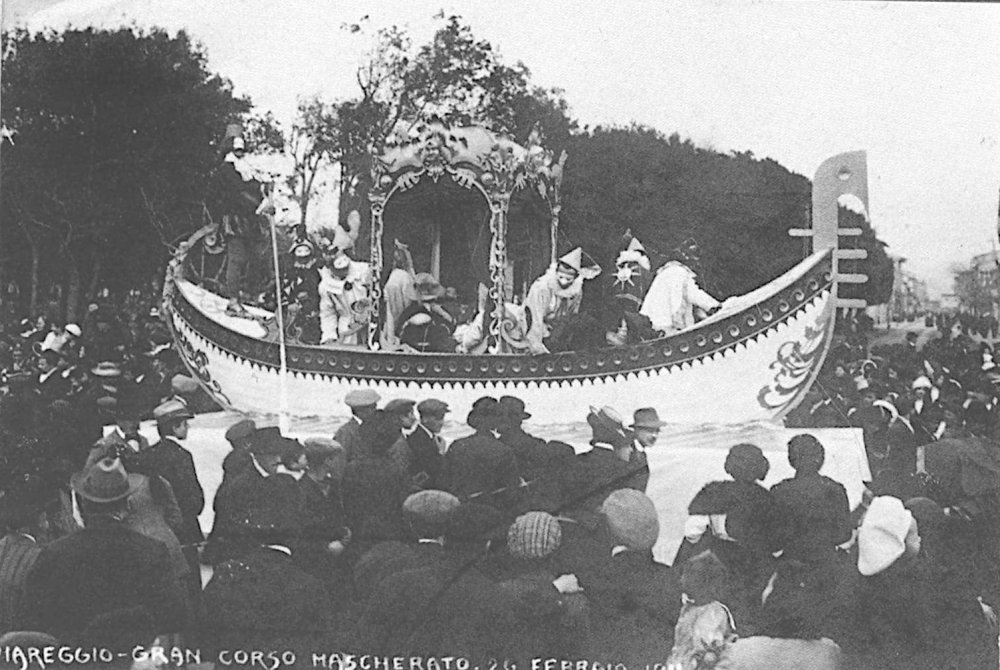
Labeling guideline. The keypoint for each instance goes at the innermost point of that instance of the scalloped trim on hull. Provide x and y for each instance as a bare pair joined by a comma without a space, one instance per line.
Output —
750,363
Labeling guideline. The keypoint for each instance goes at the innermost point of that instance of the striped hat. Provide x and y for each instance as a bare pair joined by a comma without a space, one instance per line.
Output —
632,519
534,535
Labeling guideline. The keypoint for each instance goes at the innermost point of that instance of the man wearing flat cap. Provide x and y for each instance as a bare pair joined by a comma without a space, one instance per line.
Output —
168,459
363,403
430,605
74,591
239,435
427,447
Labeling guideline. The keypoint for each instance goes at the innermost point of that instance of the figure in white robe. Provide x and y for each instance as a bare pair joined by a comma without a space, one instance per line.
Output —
399,293
673,297
344,301
555,296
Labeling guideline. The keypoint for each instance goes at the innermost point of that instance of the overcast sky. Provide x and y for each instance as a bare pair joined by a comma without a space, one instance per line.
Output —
916,85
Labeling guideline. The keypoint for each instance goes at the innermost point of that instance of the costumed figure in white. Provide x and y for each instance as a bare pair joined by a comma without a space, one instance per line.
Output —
344,299
674,301
554,297
399,293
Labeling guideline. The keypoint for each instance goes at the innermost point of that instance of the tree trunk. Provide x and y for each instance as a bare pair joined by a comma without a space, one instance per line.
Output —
95,278
35,258
73,290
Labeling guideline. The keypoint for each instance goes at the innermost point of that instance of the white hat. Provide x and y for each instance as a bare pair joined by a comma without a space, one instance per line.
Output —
73,330
238,143
887,531
573,259
636,245
341,262
921,382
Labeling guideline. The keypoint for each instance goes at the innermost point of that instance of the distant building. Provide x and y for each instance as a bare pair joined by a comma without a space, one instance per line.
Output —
909,293
977,289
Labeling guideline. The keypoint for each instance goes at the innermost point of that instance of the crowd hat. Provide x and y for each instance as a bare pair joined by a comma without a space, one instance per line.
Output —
74,330
106,369
572,261
341,261
632,519
266,441
484,414
361,398
607,426
921,382
105,482
241,430
746,463
513,408
430,512
171,410
427,287
182,384
318,449
887,530
400,406
534,535
302,249
432,407
647,418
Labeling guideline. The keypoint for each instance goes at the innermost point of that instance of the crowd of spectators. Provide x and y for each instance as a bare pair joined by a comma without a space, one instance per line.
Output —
387,540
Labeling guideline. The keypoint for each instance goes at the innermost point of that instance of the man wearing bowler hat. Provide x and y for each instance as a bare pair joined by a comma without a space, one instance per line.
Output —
618,459
541,463
104,584
363,403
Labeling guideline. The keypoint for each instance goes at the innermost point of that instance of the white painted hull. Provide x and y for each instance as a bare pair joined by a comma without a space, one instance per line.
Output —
751,362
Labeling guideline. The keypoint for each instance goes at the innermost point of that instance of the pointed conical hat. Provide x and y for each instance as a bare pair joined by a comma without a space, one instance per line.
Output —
573,259
636,245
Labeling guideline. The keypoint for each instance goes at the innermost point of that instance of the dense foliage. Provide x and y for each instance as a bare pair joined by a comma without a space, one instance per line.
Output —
114,134
113,137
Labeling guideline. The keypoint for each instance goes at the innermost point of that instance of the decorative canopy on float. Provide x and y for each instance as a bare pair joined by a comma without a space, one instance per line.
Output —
474,158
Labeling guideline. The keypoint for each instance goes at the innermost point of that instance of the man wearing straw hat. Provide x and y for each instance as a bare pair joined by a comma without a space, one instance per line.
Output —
168,459
105,582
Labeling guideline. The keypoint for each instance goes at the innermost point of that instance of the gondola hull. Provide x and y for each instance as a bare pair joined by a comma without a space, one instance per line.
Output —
752,361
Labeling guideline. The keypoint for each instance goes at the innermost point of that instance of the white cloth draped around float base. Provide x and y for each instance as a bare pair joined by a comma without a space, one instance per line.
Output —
686,458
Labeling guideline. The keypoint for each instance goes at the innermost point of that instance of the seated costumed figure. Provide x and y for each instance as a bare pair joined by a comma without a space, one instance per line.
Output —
674,299
344,299
630,282
555,297
301,291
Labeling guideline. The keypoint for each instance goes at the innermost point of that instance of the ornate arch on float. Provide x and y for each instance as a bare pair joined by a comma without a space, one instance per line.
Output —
477,159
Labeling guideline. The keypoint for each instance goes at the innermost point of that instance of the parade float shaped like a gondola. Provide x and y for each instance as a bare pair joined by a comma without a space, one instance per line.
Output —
753,360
